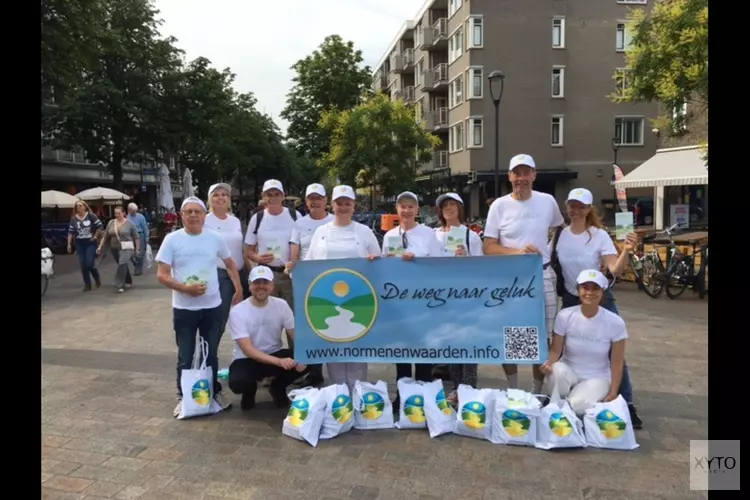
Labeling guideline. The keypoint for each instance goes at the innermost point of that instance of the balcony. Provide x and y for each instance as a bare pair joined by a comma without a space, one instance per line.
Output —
439,119
409,94
379,82
397,63
440,33
440,76
396,94
408,58
63,156
424,38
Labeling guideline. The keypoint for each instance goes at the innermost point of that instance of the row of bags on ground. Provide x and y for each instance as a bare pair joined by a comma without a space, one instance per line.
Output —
512,417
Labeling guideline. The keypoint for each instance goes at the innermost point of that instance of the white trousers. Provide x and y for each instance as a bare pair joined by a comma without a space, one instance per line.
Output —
581,394
347,373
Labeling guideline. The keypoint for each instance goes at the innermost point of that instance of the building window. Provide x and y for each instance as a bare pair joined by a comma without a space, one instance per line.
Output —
475,80
558,81
476,135
453,6
558,33
629,130
455,45
622,80
624,37
456,91
456,137
679,118
418,112
474,28
556,136
418,76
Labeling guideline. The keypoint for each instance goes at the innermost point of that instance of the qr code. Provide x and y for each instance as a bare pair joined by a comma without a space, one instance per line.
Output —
521,343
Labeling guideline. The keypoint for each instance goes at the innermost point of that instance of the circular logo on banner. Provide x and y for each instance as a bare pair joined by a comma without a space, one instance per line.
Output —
341,305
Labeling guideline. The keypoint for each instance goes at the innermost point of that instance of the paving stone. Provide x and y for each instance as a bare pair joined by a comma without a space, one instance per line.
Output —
126,463
66,483
159,481
95,472
159,454
105,489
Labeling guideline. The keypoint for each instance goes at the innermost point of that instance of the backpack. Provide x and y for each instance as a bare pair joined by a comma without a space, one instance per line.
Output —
259,217
468,241
555,263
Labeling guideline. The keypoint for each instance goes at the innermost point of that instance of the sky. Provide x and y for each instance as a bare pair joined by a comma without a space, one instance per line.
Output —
261,39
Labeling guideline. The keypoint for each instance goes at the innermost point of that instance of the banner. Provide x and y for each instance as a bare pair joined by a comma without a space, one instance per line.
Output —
622,195
430,310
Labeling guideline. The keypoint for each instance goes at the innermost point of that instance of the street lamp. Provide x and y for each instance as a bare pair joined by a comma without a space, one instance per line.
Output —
615,146
497,79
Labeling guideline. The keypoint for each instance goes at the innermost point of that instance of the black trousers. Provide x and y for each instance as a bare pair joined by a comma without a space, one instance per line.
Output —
245,373
422,372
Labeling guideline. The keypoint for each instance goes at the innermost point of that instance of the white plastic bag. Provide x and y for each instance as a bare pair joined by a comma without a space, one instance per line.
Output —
372,407
339,412
47,262
474,412
411,404
306,414
608,425
198,386
149,256
559,427
441,417
515,417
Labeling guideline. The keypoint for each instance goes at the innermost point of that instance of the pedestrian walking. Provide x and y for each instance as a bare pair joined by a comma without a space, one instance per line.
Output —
144,233
122,240
85,229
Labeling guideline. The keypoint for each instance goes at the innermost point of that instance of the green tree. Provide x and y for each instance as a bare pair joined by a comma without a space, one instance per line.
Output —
668,58
377,143
107,112
331,78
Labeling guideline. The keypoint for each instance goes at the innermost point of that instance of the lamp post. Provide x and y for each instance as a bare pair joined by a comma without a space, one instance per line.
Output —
497,83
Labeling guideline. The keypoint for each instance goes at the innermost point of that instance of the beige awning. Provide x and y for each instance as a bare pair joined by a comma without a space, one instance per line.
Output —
669,167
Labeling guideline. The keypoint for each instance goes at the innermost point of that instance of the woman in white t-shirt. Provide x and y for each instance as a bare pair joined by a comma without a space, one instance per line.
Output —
221,221
579,365
585,244
411,240
343,238
450,213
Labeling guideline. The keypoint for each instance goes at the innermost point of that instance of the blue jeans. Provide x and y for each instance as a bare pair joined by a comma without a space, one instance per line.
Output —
608,303
226,289
186,325
86,252
141,255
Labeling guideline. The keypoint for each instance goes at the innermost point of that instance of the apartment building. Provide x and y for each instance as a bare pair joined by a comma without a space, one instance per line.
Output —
559,57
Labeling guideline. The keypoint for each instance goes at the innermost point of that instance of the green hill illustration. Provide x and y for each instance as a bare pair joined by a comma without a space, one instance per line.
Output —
320,309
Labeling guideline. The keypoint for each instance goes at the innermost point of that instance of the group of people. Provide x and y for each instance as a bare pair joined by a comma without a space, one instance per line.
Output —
221,278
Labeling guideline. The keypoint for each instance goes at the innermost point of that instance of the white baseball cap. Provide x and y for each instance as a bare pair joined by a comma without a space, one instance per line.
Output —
343,191
582,195
407,194
522,159
261,273
193,199
452,196
592,276
220,185
318,189
272,184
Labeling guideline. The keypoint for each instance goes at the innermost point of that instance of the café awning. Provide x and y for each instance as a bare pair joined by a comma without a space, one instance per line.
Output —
669,167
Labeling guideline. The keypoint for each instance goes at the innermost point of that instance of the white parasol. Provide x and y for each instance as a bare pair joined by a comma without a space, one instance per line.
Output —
187,184
165,197
52,199
102,194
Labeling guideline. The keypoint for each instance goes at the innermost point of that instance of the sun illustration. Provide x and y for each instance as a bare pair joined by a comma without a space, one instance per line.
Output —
340,288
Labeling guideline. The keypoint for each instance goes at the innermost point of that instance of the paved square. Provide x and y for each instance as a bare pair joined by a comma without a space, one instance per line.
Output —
108,432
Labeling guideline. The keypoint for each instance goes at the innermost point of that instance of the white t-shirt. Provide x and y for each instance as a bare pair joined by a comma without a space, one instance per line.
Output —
353,241
516,224
192,258
579,252
230,230
589,340
475,242
274,230
420,240
262,325
303,231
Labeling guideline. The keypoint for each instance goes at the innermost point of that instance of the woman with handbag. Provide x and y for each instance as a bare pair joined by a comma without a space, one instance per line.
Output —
585,244
121,236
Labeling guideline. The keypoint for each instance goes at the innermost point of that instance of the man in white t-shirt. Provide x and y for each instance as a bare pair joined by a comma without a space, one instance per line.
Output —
304,228
256,325
519,223
187,265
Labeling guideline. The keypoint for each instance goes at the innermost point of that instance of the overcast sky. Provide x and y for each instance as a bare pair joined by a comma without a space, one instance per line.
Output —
261,39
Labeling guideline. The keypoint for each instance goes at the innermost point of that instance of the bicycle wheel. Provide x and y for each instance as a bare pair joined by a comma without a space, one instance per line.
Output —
677,279
652,273
45,284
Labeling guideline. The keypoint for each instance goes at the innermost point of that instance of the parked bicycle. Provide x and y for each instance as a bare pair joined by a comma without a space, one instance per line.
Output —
649,270
681,269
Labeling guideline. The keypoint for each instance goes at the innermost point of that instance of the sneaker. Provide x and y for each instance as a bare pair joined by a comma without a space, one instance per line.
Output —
222,401
634,418
178,408
120,290
86,288
128,285
98,283
248,398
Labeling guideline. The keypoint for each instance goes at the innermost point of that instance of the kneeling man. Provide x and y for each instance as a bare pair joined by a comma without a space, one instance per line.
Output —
257,325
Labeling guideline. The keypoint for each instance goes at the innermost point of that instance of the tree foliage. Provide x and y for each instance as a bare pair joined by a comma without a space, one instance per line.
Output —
668,58
331,78
377,143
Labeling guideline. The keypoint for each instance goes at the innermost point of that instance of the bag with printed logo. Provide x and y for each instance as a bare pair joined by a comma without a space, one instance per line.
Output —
608,425
515,417
198,386
559,427
149,256
411,404
474,412
306,414
441,417
339,412
372,407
